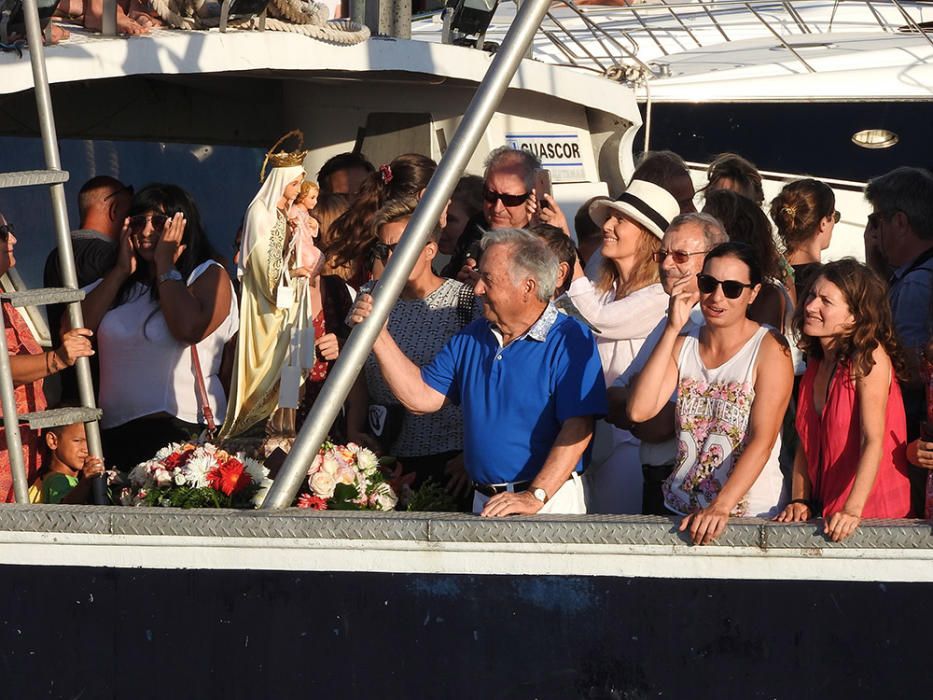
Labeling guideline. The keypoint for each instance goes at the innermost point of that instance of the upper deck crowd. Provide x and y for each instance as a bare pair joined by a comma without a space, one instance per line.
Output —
661,360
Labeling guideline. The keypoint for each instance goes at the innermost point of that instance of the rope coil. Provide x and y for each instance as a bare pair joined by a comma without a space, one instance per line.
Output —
294,16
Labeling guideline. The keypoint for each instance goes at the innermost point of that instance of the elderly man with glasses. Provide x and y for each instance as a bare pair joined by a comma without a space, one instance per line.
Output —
507,184
680,260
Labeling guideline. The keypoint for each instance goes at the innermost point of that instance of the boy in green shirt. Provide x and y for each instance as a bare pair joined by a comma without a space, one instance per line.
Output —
67,480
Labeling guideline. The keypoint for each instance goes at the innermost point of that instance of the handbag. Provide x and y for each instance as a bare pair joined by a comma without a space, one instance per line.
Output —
202,393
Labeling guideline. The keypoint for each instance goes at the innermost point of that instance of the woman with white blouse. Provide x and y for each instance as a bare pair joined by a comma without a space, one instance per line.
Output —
623,306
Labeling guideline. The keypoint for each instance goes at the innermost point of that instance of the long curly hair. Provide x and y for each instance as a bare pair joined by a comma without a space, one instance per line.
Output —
866,296
351,236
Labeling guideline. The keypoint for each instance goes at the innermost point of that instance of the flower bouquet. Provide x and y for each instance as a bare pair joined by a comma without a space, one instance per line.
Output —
346,477
189,475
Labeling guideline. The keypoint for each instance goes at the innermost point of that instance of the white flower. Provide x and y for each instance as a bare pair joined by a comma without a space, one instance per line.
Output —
197,468
315,464
162,477
367,461
167,450
256,470
330,465
383,497
180,479
322,484
260,495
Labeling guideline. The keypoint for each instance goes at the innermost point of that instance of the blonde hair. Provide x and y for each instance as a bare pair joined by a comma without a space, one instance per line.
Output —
306,187
645,271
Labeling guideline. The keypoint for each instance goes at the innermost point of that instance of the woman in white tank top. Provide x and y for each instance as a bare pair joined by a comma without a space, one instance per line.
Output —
733,379
165,294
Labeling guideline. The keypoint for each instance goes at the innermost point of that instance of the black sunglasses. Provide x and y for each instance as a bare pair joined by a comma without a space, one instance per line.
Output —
138,223
680,256
509,200
5,231
382,251
731,289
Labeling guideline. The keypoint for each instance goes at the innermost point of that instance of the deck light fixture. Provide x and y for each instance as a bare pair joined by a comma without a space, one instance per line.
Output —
468,18
875,138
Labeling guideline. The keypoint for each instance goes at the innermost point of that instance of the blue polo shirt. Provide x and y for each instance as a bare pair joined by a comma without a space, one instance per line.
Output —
515,398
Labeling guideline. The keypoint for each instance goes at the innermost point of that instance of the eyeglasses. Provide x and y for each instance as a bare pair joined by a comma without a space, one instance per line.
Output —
5,231
731,289
876,217
138,223
382,251
680,256
509,200
836,217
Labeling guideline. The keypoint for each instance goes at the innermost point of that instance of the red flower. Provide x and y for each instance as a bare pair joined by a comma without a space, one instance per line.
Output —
177,459
307,500
230,477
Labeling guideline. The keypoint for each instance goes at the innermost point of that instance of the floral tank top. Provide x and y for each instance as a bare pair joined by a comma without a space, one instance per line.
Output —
713,409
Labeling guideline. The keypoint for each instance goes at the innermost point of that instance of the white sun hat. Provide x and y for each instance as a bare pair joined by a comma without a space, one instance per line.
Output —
644,202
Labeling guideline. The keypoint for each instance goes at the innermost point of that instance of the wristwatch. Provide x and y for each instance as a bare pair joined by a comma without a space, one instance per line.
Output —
172,274
540,494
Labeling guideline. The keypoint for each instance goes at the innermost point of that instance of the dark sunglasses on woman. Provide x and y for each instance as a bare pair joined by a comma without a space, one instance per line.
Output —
731,289
5,231
138,223
509,200
382,251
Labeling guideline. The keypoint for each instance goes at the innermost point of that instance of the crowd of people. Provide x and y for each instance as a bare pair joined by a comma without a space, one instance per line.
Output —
654,360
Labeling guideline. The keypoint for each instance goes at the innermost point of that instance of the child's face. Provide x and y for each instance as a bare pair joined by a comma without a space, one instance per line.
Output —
310,200
71,447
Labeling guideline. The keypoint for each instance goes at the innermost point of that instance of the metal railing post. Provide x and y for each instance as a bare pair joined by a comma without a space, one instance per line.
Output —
60,214
472,127
14,443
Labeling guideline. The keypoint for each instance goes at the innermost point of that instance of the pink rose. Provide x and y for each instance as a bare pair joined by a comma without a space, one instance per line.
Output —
323,484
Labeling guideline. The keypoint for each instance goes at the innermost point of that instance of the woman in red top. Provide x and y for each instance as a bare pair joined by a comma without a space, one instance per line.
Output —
851,461
29,365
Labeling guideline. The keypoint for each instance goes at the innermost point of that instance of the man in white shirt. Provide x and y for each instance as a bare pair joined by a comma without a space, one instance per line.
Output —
683,250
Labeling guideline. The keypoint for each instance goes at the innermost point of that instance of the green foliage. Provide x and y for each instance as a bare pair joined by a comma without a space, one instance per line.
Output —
432,497
344,495
204,497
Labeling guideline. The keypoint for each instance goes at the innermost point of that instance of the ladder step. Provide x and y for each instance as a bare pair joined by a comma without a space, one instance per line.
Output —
29,178
60,416
43,296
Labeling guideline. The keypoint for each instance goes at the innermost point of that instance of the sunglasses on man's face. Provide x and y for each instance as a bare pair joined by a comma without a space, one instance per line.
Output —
679,256
138,223
731,289
5,231
509,200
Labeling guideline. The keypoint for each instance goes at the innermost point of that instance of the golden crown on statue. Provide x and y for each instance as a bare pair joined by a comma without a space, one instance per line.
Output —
285,159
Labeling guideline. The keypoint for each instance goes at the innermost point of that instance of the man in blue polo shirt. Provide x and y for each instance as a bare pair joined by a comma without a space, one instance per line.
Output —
529,380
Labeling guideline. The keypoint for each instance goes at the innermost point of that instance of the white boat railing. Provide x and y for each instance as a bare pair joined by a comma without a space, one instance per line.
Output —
620,42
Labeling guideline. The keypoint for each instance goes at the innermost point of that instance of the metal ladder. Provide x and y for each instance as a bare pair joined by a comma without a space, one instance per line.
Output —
53,177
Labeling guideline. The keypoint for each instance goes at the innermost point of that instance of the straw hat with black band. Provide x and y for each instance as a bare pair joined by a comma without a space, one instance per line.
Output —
644,202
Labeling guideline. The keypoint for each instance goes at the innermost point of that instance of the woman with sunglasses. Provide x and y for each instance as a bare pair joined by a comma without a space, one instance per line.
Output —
29,365
623,306
733,380
429,311
167,294
851,462
805,215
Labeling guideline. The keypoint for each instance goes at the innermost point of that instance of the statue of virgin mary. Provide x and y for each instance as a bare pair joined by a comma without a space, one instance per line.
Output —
270,303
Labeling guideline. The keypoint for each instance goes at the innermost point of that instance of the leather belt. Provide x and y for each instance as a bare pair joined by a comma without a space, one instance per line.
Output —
493,489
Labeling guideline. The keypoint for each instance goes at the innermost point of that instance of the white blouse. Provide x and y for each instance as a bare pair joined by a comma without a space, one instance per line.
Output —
144,370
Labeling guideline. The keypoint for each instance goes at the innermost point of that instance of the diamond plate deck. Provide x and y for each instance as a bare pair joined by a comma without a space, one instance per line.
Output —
439,528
